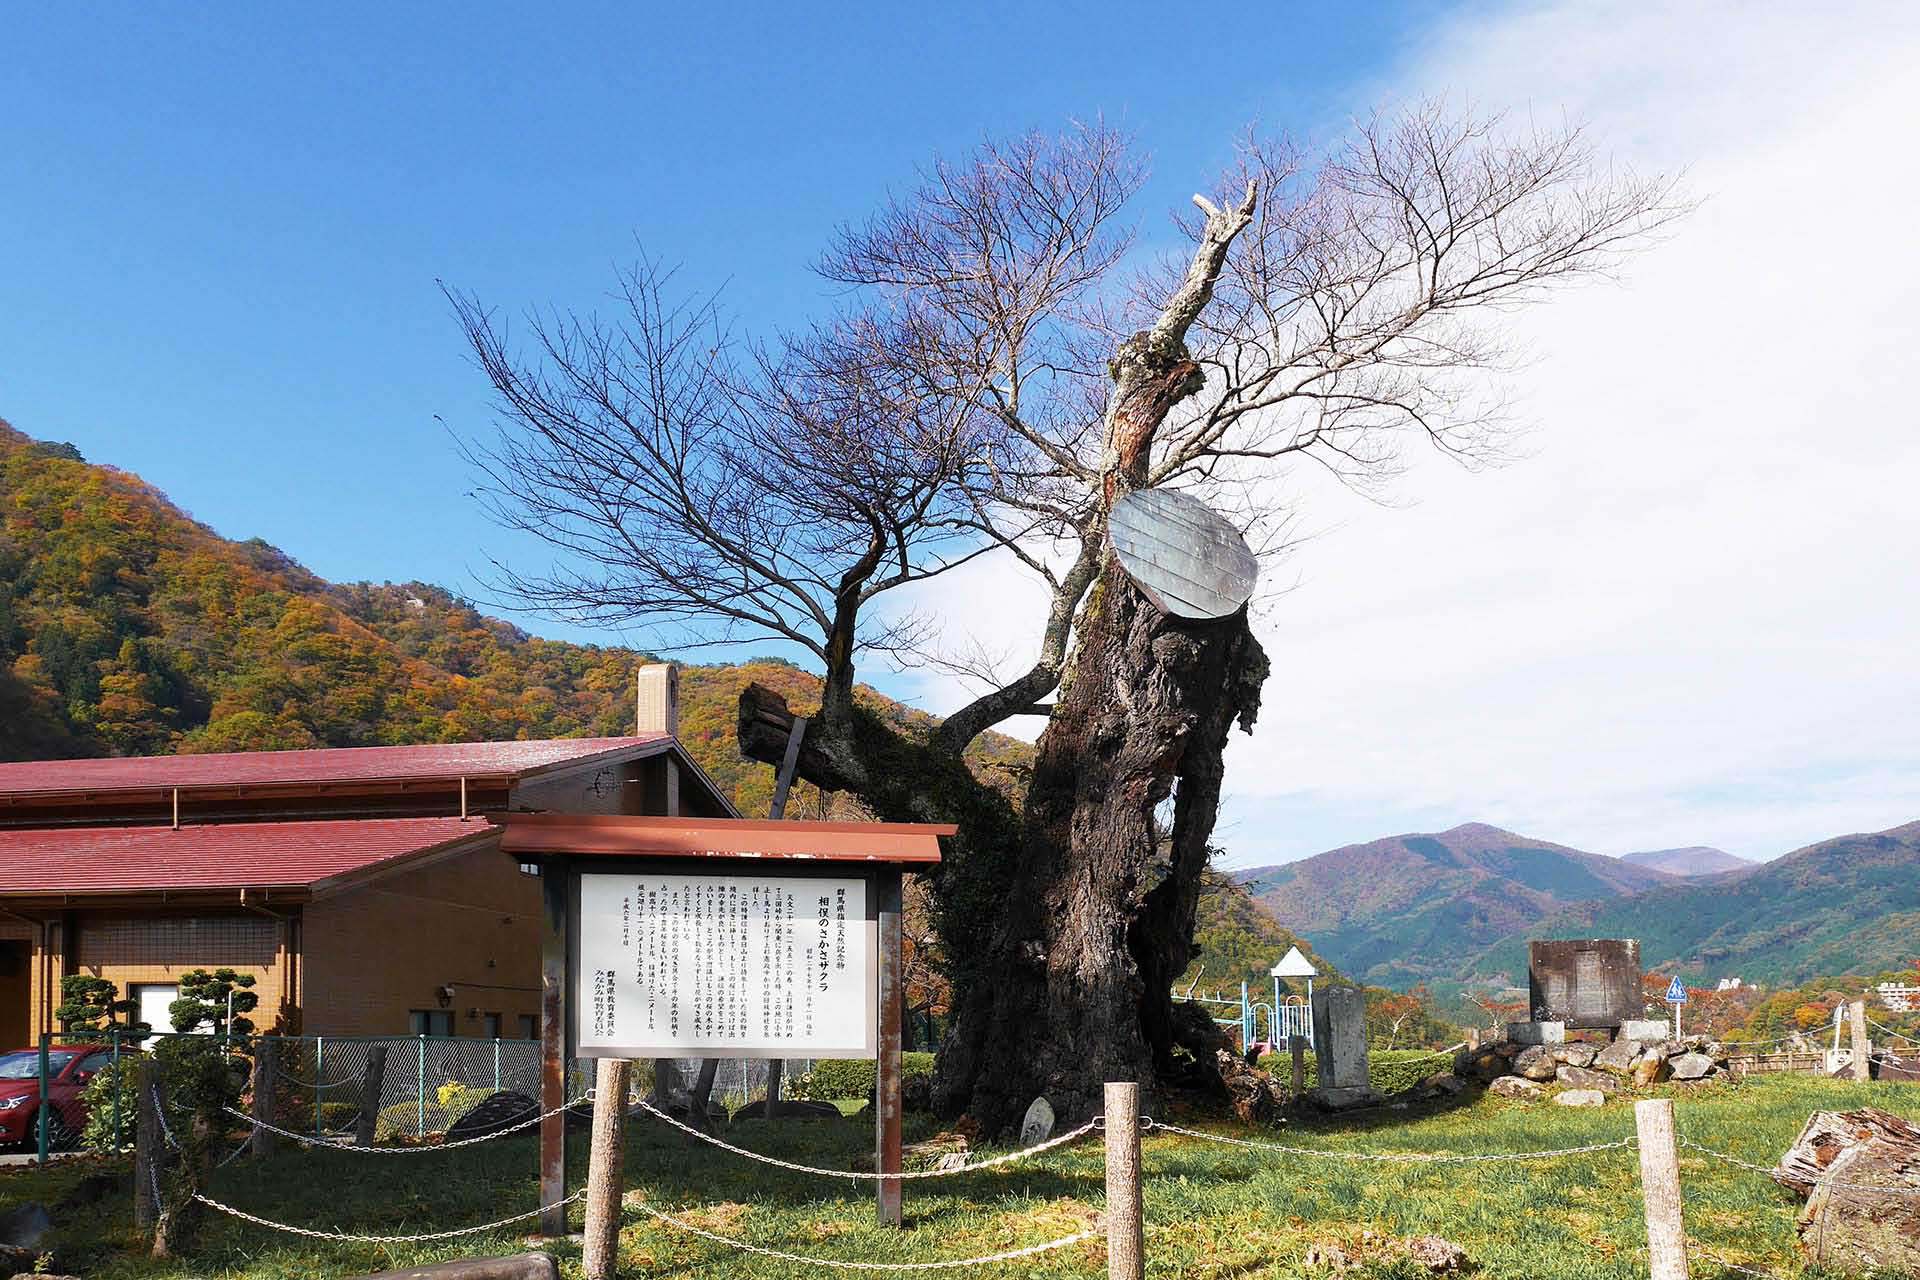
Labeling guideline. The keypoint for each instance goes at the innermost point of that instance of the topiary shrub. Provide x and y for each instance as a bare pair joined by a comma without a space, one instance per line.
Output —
837,1079
1388,1070
409,1120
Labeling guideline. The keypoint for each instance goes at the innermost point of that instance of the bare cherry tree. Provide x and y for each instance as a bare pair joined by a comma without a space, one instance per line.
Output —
1007,369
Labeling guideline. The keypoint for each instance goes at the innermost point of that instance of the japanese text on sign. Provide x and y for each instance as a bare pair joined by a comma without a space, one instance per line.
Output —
724,965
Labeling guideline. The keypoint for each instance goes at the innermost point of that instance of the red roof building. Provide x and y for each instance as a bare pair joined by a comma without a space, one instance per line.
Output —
364,888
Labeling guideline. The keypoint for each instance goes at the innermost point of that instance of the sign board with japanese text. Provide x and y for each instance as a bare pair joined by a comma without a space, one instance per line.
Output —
686,962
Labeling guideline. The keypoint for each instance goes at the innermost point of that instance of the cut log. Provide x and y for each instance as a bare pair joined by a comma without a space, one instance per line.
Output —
1828,1134
1860,1172
524,1266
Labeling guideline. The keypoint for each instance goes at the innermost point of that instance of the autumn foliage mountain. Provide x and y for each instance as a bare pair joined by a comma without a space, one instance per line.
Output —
128,628
1413,907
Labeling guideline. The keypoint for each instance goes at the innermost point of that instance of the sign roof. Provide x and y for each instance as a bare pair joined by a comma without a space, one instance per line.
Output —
591,835
1293,965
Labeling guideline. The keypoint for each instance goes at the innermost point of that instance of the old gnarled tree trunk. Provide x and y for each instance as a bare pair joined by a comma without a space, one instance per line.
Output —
1100,909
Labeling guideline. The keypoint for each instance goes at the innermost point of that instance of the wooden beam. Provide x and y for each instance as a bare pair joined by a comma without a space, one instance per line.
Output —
553,1046
886,1093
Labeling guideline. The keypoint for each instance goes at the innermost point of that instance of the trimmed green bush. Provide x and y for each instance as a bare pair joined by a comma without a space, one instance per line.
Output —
101,1134
834,1079
1388,1070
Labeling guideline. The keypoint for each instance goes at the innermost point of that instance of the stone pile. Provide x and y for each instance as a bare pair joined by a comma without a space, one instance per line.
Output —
1585,1075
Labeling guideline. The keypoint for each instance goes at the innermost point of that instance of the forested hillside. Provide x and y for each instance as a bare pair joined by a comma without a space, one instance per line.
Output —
1846,905
127,627
1414,908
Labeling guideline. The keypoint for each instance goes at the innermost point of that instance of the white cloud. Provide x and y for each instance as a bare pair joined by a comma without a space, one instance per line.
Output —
1691,616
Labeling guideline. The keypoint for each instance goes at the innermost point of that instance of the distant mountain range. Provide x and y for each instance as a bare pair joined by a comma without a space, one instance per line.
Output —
1459,906
1413,907
1694,860
1846,905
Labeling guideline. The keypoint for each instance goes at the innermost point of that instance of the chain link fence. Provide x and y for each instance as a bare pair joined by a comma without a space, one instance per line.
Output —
320,1083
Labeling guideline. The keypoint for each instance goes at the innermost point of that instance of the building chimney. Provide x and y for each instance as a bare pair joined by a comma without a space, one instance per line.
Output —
657,701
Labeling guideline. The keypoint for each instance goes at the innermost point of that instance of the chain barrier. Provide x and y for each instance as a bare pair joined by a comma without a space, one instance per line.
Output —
1897,1035
1397,1157
1767,1171
1775,1040
1008,1157
308,1140
1695,1248
950,1264
352,1238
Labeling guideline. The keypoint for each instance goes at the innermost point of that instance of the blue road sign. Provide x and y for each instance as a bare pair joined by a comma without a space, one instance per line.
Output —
1676,993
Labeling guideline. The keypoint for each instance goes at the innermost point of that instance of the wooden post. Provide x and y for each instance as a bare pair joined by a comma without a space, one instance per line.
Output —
146,1143
886,1091
1857,1013
1473,1038
702,1093
1660,1189
373,1086
266,1082
1126,1252
553,1047
1297,1045
606,1169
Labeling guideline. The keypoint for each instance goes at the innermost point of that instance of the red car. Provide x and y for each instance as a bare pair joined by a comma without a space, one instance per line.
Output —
69,1067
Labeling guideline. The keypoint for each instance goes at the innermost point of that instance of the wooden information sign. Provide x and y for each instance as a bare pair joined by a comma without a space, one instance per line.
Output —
721,938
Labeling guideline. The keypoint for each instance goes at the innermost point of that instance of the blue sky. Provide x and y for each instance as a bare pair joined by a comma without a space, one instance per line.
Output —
222,239
1675,622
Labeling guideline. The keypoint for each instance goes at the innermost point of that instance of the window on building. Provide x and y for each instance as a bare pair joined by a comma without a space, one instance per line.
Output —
529,1027
430,1022
529,868
490,1025
151,1001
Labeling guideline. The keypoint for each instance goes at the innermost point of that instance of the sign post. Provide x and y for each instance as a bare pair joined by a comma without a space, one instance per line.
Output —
1676,996
724,938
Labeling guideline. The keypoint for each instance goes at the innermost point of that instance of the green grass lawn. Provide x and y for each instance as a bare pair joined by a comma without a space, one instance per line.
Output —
1213,1212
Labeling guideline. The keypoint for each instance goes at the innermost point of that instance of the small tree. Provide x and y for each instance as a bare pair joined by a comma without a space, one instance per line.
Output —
204,1076
207,998
90,1005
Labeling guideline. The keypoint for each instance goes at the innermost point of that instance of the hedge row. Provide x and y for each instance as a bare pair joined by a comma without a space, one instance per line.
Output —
1388,1070
835,1078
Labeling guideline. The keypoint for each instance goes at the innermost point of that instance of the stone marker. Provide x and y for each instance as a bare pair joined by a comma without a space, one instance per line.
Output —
1575,1055
1515,1087
25,1225
1582,1078
1651,1069
1038,1125
1535,1062
1690,1066
1537,1032
1588,982
1645,1029
497,1111
1340,1037
1580,1098
1619,1056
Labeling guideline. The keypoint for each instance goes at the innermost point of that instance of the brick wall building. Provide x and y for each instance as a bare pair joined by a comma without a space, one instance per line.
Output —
364,888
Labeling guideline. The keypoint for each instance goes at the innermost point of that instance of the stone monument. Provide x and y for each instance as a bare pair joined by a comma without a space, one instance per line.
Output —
1340,1047
1584,984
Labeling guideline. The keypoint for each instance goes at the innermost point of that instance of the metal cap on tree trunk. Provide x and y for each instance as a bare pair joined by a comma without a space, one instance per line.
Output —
1185,557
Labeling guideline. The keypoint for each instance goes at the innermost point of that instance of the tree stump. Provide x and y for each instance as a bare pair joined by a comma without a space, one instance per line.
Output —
1860,1173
